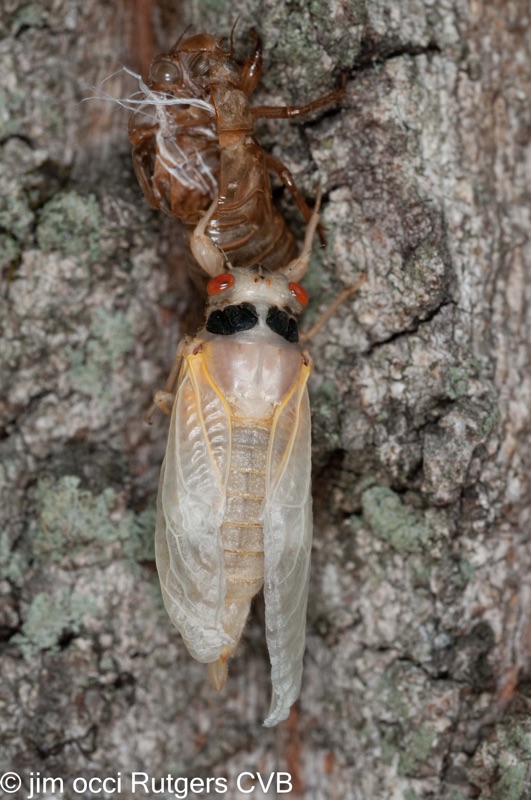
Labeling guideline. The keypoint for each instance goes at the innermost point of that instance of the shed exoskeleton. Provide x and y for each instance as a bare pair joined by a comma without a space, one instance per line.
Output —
194,149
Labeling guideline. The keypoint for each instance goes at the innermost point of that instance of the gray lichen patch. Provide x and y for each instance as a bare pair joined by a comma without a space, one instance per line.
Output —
71,223
393,521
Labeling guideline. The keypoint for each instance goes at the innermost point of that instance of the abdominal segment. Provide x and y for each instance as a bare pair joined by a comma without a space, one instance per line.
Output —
242,534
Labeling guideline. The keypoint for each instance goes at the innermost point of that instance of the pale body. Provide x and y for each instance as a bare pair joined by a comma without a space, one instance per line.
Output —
234,506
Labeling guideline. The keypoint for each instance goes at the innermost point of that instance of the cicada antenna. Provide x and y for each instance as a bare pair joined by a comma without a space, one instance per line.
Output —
231,39
296,268
179,40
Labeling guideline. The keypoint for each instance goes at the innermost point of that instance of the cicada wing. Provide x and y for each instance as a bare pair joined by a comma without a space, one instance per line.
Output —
190,509
287,546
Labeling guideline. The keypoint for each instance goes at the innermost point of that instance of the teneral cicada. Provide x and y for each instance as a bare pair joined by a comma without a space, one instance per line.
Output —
194,149
234,502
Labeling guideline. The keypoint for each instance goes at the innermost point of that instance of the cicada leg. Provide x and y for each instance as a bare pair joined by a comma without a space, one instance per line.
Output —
289,112
163,399
144,149
277,166
252,68
207,254
296,269
329,312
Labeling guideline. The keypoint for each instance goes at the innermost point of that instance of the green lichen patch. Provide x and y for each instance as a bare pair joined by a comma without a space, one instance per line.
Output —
30,16
48,619
13,98
417,750
505,757
392,521
393,700
71,223
216,5
10,251
92,369
12,565
15,215
512,783
466,572
456,384
72,521
491,422
457,379
299,43
514,763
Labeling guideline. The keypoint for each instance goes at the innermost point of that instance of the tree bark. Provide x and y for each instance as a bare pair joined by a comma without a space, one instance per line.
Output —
416,680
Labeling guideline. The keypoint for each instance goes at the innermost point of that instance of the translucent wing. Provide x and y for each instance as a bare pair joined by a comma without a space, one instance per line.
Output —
287,546
190,509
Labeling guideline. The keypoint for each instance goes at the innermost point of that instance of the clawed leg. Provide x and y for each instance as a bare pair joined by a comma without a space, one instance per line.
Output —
207,254
329,312
276,165
252,68
289,112
163,399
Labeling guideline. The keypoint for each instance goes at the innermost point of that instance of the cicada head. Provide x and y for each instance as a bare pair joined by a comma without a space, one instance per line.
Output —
246,297
191,66
200,43
185,70
256,284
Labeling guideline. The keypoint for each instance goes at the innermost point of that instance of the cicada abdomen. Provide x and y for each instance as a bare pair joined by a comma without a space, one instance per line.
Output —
194,150
234,504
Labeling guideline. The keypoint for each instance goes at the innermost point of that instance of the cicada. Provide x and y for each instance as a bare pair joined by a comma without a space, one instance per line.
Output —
234,503
194,149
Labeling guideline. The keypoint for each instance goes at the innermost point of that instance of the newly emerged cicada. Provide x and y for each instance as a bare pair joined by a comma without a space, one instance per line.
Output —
194,149
234,502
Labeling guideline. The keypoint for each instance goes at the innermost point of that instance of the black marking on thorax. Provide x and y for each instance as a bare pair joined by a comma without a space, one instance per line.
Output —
232,319
280,322
243,317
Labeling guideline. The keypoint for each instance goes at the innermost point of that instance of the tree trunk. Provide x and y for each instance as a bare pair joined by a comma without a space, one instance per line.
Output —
417,665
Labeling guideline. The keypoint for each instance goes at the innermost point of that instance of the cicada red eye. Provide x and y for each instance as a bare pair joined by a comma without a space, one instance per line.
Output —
299,293
220,283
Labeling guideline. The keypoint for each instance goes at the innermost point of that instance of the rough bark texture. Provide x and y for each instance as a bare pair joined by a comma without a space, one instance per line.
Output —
418,627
